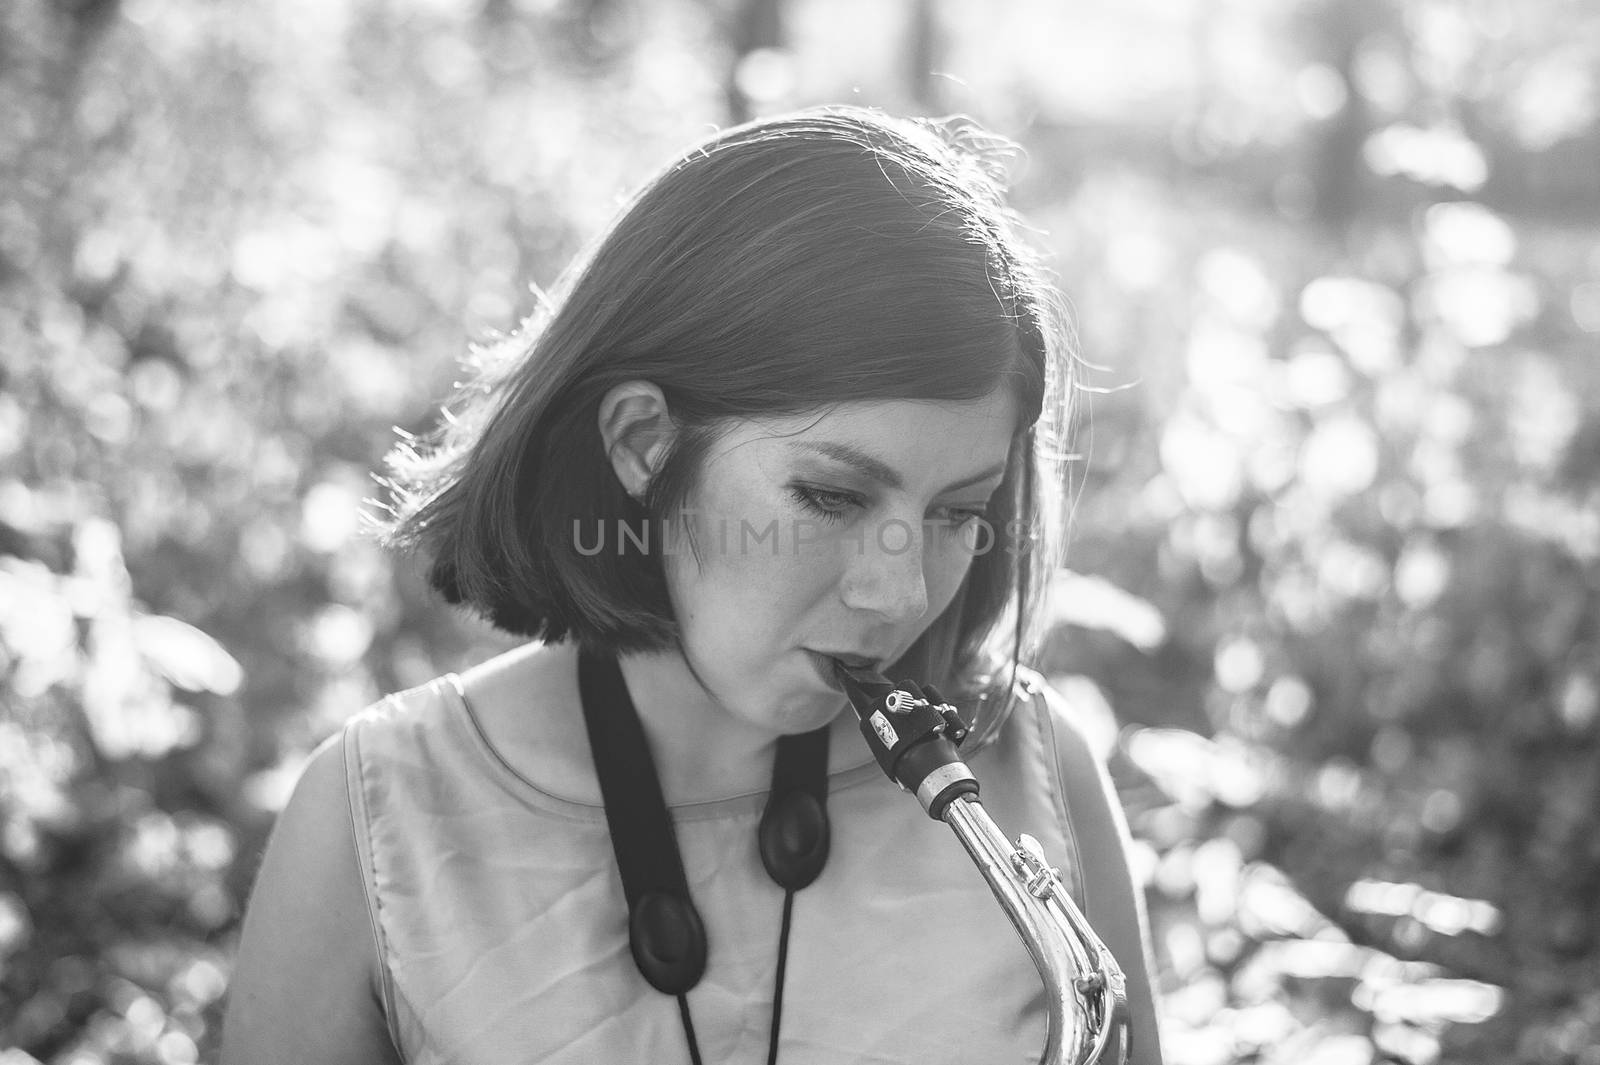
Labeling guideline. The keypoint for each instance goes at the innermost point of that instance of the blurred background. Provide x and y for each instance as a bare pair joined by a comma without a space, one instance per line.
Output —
1332,605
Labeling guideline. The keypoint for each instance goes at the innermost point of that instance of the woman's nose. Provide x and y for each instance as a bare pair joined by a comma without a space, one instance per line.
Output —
888,578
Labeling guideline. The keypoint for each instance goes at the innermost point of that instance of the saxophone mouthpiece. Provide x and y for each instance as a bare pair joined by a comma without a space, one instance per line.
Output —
863,685
912,733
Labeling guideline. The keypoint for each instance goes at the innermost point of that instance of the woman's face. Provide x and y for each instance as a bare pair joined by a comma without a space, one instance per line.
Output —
841,534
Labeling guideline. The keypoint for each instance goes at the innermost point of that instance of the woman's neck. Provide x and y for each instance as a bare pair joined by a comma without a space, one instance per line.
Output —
701,750
528,704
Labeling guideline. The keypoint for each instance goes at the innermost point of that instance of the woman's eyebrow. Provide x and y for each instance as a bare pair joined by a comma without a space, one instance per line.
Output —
881,472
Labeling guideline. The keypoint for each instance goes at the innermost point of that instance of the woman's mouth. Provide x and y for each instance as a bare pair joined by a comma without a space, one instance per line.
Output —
855,661
828,663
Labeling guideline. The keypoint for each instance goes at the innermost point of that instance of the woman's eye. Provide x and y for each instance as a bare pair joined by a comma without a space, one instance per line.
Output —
959,517
821,501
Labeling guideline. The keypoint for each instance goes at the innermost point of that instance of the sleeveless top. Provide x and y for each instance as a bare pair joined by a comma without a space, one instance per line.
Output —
501,923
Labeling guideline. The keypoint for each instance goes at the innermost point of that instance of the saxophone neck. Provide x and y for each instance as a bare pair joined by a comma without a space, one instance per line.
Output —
1085,991
914,734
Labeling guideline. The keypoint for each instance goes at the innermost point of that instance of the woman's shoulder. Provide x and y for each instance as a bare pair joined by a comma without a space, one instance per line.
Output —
406,723
1072,708
411,706
527,711
539,672
515,718
500,688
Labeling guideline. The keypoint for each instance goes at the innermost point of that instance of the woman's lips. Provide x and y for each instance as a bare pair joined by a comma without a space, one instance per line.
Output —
828,664
862,685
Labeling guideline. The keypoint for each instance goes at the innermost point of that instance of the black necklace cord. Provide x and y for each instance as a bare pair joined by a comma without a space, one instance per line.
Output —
665,932
688,1028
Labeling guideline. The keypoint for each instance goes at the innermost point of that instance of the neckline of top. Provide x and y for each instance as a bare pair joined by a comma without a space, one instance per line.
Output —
747,803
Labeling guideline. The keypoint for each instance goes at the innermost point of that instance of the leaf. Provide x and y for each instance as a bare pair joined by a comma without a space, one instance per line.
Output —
185,656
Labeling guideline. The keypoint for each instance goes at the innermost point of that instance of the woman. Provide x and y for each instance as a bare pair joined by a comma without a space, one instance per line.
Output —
797,410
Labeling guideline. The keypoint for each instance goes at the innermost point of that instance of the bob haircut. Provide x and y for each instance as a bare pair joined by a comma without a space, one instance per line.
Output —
777,268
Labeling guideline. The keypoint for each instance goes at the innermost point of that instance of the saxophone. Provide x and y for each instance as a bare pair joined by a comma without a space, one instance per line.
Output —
913,734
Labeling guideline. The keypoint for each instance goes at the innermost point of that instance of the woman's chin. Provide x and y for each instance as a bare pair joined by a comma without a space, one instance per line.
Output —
807,712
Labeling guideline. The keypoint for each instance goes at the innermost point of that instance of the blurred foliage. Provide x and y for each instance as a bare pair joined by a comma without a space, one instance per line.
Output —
1335,545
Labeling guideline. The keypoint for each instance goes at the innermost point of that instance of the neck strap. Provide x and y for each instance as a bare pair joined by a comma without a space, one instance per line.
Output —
665,932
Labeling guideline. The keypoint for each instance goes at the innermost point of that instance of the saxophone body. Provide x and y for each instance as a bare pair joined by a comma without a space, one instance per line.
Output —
914,735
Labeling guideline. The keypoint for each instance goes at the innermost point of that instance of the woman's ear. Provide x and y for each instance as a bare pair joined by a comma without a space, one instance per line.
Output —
635,429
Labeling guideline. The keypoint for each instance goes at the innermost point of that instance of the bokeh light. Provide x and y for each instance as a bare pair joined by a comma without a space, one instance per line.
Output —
1331,609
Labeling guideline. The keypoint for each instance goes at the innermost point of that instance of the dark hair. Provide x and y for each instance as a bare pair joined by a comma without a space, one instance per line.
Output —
777,268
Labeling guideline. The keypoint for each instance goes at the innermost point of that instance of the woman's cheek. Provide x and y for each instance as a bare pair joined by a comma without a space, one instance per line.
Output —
947,573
